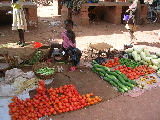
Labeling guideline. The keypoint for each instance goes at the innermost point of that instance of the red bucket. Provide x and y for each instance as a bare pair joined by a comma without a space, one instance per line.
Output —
37,45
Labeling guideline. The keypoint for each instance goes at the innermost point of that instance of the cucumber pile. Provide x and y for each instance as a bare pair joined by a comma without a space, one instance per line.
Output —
115,78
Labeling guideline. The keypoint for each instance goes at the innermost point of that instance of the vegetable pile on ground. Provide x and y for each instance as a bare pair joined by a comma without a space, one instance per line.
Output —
143,56
35,58
50,102
115,78
111,63
129,63
45,71
136,72
147,79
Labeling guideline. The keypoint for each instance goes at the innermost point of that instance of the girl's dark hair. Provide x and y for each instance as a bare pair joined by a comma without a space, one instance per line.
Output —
68,21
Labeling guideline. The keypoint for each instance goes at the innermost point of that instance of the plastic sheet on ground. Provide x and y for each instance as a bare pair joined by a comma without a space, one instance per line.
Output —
138,91
5,101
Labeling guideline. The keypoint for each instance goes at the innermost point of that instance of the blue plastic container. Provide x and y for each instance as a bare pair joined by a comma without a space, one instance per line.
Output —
126,17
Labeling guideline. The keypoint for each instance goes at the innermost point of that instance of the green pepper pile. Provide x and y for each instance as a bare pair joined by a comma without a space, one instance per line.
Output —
45,71
129,62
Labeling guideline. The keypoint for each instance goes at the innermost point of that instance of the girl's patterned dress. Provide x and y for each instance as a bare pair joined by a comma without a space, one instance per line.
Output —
19,21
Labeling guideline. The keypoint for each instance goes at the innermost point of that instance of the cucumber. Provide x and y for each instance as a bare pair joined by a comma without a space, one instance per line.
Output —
93,70
106,68
124,76
117,71
113,83
120,78
128,84
107,79
123,87
114,73
115,80
97,65
128,87
120,89
96,68
101,70
101,74
106,75
94,62
108,72
112,76
131,81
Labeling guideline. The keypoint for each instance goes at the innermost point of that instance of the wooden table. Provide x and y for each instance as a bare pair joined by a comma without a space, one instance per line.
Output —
101,48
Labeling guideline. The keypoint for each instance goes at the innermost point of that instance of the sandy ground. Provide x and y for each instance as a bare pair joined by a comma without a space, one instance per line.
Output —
144,107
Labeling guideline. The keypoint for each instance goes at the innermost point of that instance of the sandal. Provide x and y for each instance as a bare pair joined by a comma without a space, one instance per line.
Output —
71,69
23,44
49,60
18,43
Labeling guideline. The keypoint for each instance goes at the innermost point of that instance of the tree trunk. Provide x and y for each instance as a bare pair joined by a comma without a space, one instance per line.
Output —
69,13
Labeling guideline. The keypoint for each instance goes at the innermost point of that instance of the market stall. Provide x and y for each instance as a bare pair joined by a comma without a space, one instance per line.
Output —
135,73
132,73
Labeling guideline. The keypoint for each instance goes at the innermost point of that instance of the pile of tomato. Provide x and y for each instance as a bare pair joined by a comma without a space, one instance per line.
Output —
112,63
50,102
136,72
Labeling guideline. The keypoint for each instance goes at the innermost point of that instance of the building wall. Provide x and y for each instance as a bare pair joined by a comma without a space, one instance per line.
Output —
110,14
30,10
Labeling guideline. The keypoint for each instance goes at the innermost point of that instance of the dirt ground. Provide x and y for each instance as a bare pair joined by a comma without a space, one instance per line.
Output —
114,106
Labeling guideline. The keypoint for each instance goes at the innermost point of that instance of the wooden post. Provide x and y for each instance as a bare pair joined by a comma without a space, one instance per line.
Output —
138,13
59,7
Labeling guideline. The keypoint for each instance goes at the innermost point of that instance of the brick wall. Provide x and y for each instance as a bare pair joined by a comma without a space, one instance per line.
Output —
30,11
31,16
82,18
110,14
144,10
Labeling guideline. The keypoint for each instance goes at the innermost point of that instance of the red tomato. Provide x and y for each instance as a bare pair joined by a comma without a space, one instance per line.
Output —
41,82
40,88
51,89
70,108
82,101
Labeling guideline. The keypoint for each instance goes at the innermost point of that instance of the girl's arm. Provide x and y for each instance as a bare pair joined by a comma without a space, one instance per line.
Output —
73,44
74,37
